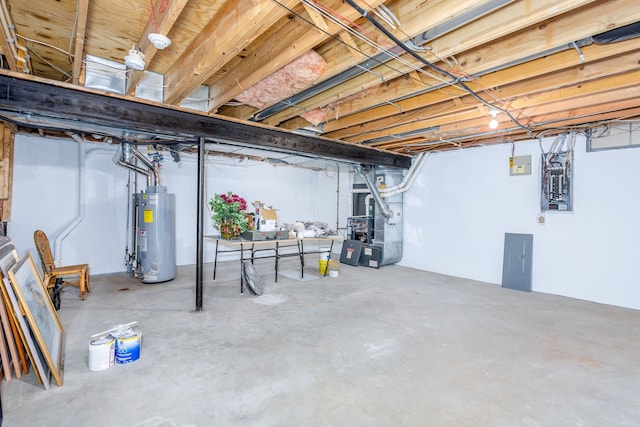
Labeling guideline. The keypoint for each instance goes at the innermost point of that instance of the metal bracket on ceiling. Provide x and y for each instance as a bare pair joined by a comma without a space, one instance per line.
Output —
399,107
368,70
577,48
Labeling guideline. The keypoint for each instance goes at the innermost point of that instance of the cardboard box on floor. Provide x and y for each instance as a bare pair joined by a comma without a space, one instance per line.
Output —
268,216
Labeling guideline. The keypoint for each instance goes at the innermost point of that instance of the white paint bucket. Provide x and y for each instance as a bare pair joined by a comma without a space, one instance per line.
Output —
128,346
101,353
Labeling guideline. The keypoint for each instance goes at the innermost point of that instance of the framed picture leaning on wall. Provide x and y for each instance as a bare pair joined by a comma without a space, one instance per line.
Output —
8,257
40,313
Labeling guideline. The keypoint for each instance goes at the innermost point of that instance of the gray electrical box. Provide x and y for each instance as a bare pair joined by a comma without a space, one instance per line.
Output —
518,261
520,165
556,182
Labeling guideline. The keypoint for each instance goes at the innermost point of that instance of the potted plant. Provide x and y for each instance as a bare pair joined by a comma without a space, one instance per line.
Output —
228,215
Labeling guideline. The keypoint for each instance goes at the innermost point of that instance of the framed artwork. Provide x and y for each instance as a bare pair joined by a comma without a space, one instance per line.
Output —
8,257
40,313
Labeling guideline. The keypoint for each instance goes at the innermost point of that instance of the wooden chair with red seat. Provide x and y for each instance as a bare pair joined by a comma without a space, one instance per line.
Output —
67,274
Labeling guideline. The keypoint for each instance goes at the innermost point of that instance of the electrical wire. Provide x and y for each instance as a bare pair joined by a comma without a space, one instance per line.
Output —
351,28
162,7
455,80
49,63
72,37
452,67
42,43
338,40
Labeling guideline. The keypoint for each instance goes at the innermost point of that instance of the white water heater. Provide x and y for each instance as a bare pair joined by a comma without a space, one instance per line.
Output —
156,234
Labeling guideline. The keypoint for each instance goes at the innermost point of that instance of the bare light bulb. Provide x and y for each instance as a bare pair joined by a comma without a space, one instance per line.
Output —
493,124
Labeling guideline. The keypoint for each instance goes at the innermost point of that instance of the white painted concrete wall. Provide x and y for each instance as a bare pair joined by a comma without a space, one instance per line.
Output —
463,203
45,196
455,215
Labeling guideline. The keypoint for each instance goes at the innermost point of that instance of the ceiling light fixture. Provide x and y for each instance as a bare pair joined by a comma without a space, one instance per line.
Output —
135,59
159,41
493,124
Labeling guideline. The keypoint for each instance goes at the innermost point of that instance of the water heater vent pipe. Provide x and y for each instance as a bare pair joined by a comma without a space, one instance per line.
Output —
128,152
144,172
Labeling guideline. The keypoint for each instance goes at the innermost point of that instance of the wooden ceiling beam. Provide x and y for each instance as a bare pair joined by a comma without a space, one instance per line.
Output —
359,111
619,111
606,101
415,20
234,26
563,85
594,91
530,84
296,38
316,17
516,16
562,126
78,50
541,66
547,116
8,37
510,50
338,55
605,96
164,21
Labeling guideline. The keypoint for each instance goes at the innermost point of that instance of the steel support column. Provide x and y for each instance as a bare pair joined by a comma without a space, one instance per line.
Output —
200,225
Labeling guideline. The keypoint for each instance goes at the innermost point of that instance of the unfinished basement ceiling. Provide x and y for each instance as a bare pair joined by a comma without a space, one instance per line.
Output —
411,76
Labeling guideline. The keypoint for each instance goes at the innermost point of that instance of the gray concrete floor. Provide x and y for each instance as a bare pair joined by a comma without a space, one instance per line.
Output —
388,347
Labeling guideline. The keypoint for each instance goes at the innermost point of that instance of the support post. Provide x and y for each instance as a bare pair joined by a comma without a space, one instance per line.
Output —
200,225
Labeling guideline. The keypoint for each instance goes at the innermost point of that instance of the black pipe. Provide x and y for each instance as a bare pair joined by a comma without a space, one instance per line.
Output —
200,225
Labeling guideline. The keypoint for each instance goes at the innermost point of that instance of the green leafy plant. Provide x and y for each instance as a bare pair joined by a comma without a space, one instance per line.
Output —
228,214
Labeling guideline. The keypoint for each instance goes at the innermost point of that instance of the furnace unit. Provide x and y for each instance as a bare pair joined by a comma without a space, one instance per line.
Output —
381,235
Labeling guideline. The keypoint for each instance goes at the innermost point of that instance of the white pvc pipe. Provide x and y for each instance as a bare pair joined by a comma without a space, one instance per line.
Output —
81,198
71,225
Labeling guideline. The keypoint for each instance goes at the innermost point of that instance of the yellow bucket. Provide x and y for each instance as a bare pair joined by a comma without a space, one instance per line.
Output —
322,264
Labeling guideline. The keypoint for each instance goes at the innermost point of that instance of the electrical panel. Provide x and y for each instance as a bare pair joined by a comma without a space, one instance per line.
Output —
557,182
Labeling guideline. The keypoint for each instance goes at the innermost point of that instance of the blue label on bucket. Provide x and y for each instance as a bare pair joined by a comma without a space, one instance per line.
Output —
128,347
